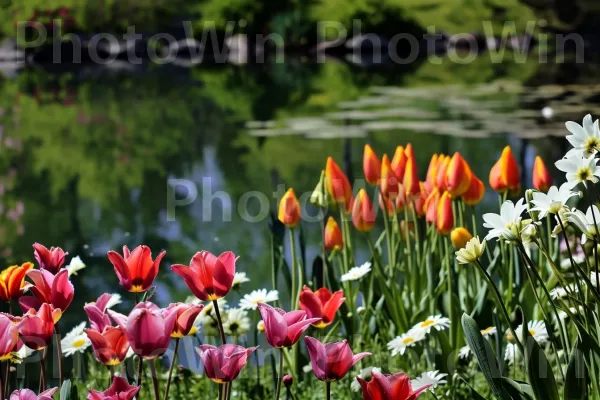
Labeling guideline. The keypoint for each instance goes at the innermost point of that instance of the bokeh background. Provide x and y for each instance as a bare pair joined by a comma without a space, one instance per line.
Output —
86,150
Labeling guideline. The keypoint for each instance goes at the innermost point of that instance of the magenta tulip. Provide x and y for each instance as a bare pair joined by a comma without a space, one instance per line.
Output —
223,364
50,260
147,331
96,313
56,290
284,329
185,315
331,361
389,387
36,328
118,390
9,337
208,277
27,394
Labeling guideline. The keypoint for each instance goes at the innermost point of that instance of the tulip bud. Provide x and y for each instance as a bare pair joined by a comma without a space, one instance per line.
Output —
399,162
542,180
412,186
363,215
319,194
419,202
288,381
337,184
475,192
458,175
371,165
431,205
460,236
440,179
528,198
333,236
504,175
289,209
444,218
432,172
389,183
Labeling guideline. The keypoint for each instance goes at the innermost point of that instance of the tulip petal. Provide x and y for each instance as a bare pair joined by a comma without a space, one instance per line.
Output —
318,357
28,302
121,269
62,290
190,278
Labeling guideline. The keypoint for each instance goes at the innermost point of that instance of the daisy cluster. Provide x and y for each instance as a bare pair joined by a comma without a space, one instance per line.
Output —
417,334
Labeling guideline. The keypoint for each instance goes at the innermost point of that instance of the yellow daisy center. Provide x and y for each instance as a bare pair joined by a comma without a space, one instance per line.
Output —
583,174
408,340
532,332
591,144
78,343
428,323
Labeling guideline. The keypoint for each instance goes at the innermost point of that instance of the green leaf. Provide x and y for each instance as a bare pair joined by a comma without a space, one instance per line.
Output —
538,368
575,381
474,394
65,390
517,390
485,356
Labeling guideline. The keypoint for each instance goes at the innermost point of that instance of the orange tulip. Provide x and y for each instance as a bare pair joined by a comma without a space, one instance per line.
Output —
412,186
363,215
289,209
400,200
459,237
337,183
12,281
390,206
431,205
399,162
389,183
432,172
444,219
371,165
542,180
458,175
419,202
333,236
475,192
440,179
504,175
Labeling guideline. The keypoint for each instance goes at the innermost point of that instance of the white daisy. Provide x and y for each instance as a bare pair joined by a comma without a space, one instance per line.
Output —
238,279
584,138
574,311
489,331
195,301
75,341
432,379
553,201
402,342
585,222
507,224
464,352
594,278
130,353
434,321
75,265
579,169
512,353
365,374
21,355
561,292
237,322
115,299
356,273
537,329
208,307
471,252
250,301
260,326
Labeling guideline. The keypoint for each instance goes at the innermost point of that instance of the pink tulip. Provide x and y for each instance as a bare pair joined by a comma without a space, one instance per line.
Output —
331,361
96,313
50,260
208,277
389,387
120,389
36,329
185,315
27,394
284,329
136,270
223,364
9,337
56,290
147,331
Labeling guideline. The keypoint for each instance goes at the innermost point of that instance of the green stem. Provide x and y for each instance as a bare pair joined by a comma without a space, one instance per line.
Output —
154,378
43,370
219,322
59,355
294,270
280,378
328,390
171,368
140,371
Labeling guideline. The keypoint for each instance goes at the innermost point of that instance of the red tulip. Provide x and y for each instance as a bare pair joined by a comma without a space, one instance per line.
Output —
333,236
432,172
110,346
118,390
321,304
363,215
36,329
96,313
185,315
9,338
147,331
389,387
542,180
431,204
389,184
27,394
48,288
442,167
419,202
458,175
284,329
208,277
136,270
51,260
289,209
337,183
371,165
12,281
444,218
331,361
504,175
411,183
223,364
399,162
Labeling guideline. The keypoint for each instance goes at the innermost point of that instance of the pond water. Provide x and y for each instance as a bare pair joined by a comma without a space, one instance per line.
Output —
87,154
